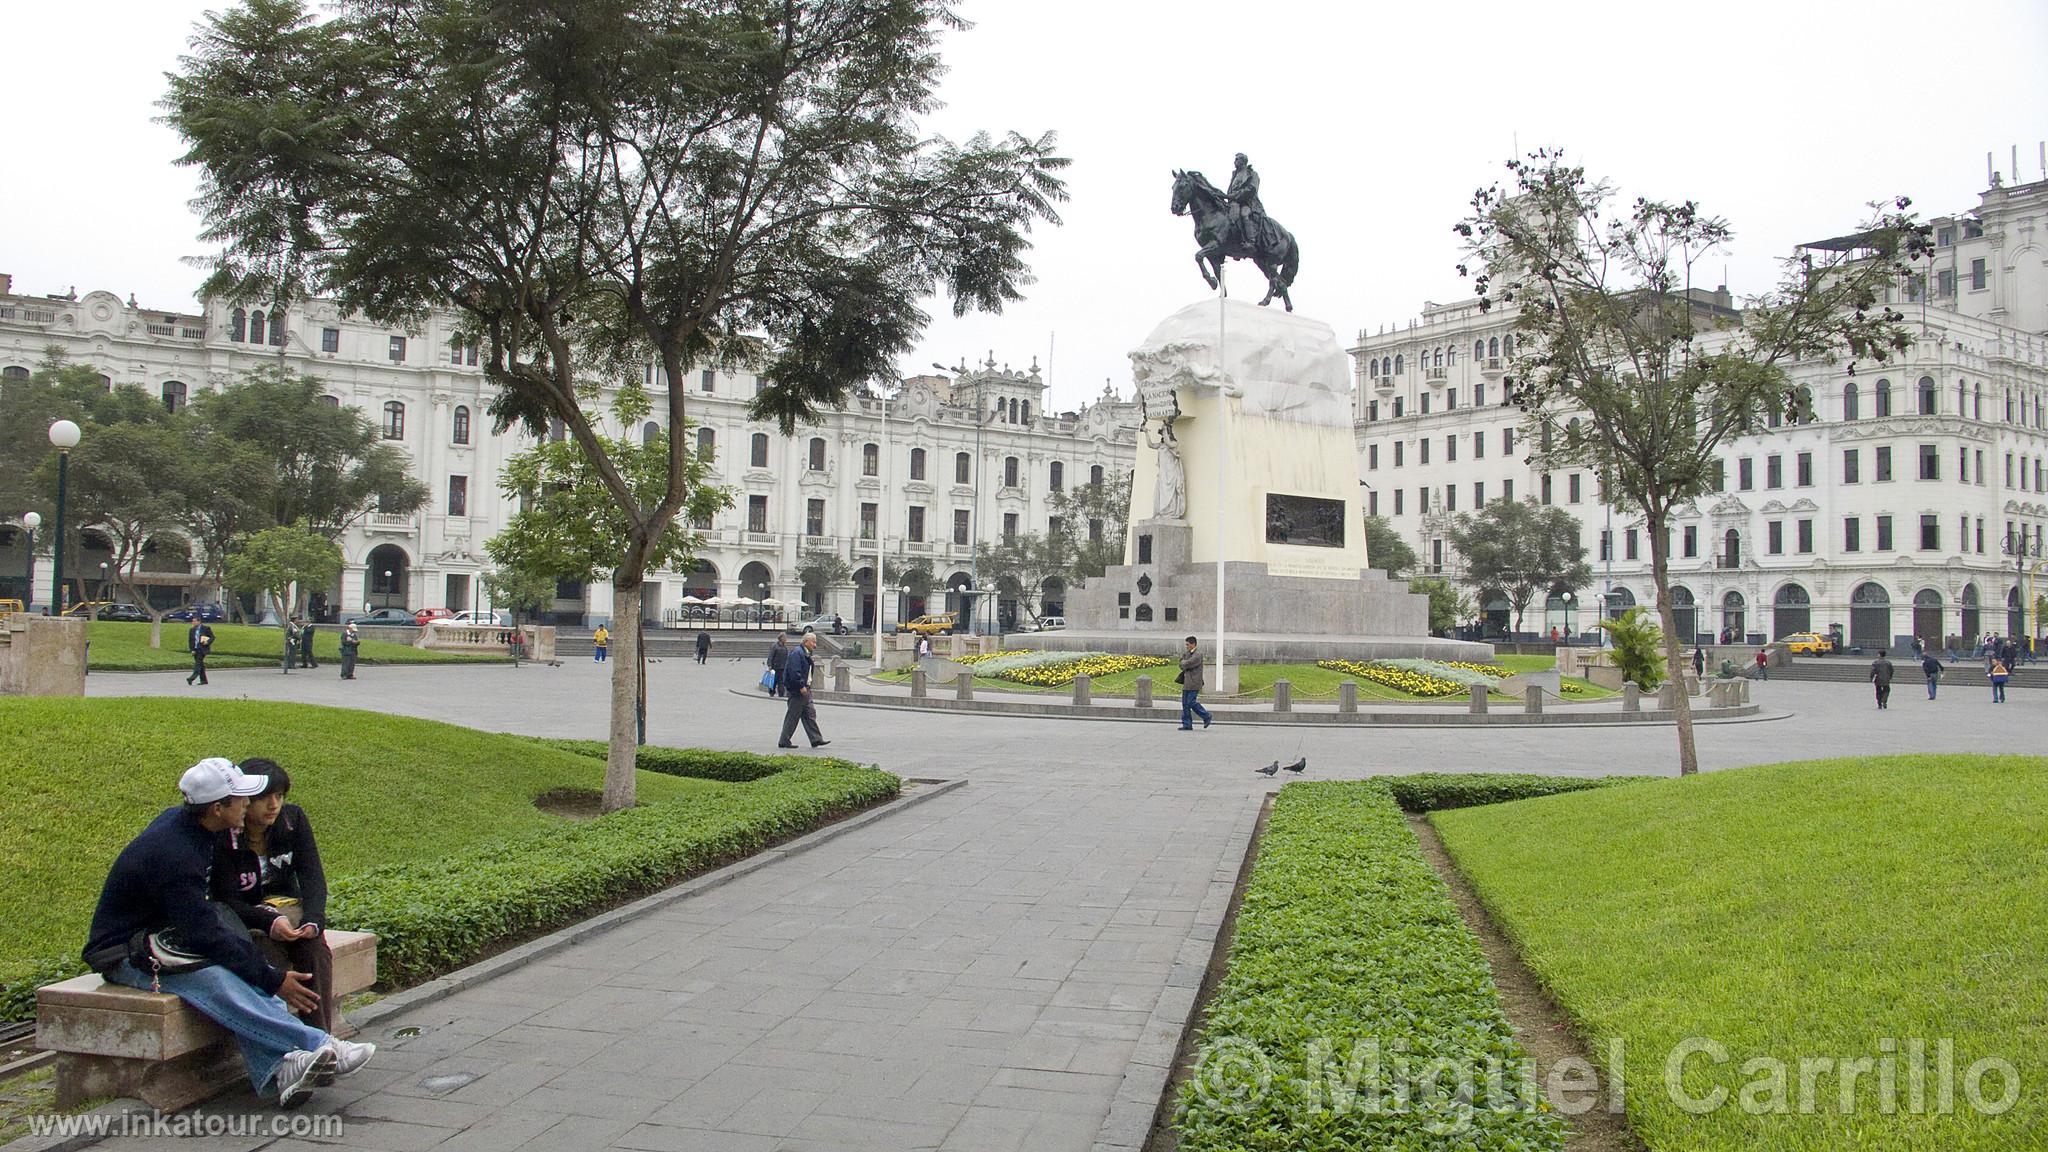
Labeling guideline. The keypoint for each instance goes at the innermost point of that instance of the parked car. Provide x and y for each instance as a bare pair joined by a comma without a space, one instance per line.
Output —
1051,623
207,613
87,609
932,623
128,612
381,618
495,618
425,614
830,624
1808,644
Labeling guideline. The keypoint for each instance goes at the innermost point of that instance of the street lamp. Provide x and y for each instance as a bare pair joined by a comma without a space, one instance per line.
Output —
30,521
1567,598
103,581
387,584
64,436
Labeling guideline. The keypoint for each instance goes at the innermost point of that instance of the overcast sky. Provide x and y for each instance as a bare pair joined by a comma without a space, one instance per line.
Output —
1370,124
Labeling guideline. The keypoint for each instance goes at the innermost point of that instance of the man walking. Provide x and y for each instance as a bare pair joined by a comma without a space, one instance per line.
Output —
290,624
1190,680
351,643
198,638
1881,672
778,659
306,633
1763,664
154,929
599,641
703,647
795,682
1932,667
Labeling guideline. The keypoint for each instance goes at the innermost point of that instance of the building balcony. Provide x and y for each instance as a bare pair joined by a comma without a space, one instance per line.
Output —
1493,366
406,523
1435,373
1727,562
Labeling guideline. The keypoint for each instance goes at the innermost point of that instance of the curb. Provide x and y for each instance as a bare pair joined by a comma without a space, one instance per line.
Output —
1131,1114
516,958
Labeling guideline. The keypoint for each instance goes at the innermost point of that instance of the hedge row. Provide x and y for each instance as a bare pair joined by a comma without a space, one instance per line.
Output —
434,917
701,763
1431,791
1356,1001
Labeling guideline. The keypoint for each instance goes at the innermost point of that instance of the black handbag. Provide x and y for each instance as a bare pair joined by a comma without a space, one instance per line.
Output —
1180,678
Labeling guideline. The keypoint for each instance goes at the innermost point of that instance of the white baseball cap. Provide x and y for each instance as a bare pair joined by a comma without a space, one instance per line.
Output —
217,778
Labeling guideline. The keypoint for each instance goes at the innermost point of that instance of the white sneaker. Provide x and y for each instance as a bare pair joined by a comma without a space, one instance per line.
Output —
297,1072
348,1057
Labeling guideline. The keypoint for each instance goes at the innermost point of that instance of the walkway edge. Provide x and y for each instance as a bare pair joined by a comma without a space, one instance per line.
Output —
516,958
1131,1113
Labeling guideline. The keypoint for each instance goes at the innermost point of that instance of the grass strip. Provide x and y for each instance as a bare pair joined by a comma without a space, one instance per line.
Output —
1434,791
123,646
1357,1010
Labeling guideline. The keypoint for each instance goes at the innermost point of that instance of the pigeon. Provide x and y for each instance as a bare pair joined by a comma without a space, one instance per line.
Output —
1297,766
1269,769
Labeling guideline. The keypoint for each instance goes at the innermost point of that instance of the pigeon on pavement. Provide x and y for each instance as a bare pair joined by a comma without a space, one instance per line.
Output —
1297,766
1269,769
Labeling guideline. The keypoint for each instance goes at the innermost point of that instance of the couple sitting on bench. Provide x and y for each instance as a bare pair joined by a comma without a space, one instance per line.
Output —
178,907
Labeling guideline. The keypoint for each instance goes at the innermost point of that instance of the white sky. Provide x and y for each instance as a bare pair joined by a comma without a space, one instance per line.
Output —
1370,124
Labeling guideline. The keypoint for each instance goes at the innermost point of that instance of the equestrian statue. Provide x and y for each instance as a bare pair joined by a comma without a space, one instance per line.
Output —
1233,225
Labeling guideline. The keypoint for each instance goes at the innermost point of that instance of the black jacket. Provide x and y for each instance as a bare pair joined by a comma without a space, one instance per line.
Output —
195,634
778,656
160,881
290,866
796,669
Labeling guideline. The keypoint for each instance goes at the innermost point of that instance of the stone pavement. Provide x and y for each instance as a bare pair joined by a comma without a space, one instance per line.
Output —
974,972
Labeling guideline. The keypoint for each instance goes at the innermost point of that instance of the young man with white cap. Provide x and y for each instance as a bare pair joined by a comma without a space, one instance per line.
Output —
155,929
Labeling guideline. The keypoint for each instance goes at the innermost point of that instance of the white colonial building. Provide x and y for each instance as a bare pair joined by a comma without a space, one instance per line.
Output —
1913,506
971,455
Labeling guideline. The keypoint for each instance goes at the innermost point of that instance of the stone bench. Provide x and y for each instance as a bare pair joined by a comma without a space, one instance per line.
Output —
112,1040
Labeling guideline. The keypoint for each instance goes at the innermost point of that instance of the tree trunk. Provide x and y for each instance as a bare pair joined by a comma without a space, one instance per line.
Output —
1674,658
622,749
156,628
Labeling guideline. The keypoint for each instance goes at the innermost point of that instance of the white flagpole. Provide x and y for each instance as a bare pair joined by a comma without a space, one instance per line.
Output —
1222,457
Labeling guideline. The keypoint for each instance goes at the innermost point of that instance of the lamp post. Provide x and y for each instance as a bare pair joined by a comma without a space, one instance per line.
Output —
387,584
103,581
988,596
30,521
981,419
64,436
1568,602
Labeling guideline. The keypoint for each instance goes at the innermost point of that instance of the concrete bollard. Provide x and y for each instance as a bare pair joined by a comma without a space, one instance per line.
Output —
1084,690
964,685
1717,694
1479,701
956,646
1283,696
1143,689
1631,697
917,684
1667,698
1742,692
1532,700
1347,696
842,677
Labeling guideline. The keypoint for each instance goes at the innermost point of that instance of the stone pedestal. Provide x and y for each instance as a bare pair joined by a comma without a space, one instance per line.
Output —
842,677
1142,691
1283,696
1347,696
1532,700
42,655
1631,697
1084,689
963,685
1479,700
917,684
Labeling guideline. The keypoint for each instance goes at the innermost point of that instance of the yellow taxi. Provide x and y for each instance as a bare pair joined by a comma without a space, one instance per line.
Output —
932,623
1807,644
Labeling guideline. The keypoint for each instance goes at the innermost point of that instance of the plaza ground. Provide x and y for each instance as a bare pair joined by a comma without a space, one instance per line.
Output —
973,973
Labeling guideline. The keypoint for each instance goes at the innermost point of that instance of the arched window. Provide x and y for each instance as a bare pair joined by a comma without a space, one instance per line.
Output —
256,328
238,322
1009,471
1372,368
871,460
1731,549
13,372
1929,402
757,451
174,395
1507,345
1884,398
1791,611
1400,360
1439,357
1095,476
461,424
1493,346
816,462
1056,476
1870,617
331,401
917,463
1977,402
707,443
277,329
394,420
650,432
1025,408
962,465
1852,402
1478,349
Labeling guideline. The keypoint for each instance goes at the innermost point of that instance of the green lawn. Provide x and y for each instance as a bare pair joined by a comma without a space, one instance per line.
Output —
1837,909
122,646
84,775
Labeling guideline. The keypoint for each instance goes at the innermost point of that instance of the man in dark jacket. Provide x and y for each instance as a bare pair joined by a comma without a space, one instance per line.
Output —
1881,672
351,643
306,633
778,659
199,640
703,647
795,682
155,929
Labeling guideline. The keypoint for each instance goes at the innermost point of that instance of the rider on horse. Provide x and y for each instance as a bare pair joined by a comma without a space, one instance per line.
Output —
1244,192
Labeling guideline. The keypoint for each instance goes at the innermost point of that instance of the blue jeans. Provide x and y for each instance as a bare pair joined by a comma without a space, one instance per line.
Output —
1931,683
1997,690
263,1027
1190,707
600,654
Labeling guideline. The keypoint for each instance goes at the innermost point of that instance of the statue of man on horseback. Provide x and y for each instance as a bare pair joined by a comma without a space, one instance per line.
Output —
1233,224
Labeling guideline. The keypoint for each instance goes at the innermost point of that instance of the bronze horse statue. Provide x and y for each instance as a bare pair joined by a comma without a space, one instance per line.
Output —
1227,232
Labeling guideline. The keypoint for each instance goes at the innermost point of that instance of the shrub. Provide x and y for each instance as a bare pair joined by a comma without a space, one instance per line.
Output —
699,763
1638,647
439,915
1431,791
1347,937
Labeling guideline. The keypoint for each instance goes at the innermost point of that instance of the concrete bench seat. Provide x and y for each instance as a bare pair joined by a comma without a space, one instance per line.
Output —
112,1040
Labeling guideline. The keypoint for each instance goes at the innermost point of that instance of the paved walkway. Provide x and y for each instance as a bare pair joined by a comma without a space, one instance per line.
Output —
972,973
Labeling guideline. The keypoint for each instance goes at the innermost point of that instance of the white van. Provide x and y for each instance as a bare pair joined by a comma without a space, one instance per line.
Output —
1051,623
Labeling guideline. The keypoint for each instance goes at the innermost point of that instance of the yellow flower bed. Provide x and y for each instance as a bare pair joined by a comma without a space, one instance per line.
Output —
1413,683
971,660
1063,672
1493,670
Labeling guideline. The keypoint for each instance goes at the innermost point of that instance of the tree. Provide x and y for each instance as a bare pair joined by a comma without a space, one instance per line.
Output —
1385,549
323,464
1637,643
1079,508
1022,564
1520,547
685,183
283,562
1625,368
132,482
822,567
1448,607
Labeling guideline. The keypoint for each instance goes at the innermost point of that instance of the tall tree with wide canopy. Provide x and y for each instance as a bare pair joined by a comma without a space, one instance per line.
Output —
1520,548
1626,368
600,185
